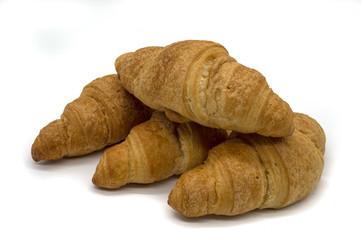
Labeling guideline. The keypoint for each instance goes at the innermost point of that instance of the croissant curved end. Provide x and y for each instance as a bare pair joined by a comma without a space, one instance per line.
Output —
50,144
190,199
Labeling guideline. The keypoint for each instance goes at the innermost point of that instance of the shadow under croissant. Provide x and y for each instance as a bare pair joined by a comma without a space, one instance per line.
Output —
91,158
159,188
80,168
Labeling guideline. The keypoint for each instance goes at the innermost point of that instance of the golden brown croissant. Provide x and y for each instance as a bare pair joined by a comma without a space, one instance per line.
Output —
250,171
102,115
155,150
199,81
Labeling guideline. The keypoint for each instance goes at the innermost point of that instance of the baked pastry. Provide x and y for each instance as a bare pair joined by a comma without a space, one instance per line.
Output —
249,171
103,115
198,81
155,150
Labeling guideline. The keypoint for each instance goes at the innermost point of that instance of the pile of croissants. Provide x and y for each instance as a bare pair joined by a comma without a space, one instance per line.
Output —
190,109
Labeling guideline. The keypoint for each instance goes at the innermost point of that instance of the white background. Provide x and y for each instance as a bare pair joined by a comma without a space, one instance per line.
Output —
309,51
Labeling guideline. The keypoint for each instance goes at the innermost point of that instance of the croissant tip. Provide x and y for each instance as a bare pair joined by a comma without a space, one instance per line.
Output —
40,153
101,177
94,180
50,144
98,178
36,160
35,150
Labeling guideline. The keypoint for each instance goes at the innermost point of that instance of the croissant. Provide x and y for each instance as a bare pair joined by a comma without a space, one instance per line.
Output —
198,81
155,150
251,171
102,115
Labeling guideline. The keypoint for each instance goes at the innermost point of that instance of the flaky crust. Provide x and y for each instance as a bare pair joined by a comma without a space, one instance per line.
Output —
249,171
199,81
155,150
103,115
